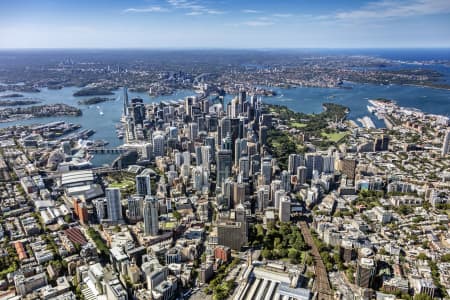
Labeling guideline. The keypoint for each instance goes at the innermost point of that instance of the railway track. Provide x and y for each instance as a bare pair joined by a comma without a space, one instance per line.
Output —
321,284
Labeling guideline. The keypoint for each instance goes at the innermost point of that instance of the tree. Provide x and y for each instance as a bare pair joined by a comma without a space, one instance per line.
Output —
422,297
445,258
293,255
422,256
266,254
177,215
67,218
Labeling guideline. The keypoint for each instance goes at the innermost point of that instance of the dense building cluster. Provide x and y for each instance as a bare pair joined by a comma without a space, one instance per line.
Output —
199,204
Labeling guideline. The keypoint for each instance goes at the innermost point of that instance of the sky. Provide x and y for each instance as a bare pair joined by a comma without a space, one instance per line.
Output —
224,24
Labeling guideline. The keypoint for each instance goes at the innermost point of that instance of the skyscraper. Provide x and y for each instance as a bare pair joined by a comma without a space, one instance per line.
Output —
193,131
125,101
198,156
328,164
446,143
235,108
147,151
224,165
244,167
263,196
314,162
158,145
143,187
284,213
211,142
114,206
286,181
278,194
295,161
266,170
301,175
197,178
227,142
263,135
135,207
137,110
150,214
365,272
100,208
206,157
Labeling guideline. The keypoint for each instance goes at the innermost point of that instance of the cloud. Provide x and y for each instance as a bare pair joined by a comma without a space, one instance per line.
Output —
146,9
282,15
396,9
194,13
251,11
195,7
215,12
258,23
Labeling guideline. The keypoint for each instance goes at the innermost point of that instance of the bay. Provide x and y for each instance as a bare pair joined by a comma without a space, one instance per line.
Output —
304,99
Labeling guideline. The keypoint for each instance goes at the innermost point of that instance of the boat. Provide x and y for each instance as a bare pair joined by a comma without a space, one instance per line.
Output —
101,113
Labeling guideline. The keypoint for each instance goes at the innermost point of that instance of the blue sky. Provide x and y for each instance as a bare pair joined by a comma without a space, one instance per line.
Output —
224,24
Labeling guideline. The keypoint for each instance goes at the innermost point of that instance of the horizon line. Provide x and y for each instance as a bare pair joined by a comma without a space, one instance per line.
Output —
219,48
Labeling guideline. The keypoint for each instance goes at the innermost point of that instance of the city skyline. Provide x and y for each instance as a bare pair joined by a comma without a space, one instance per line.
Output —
230,24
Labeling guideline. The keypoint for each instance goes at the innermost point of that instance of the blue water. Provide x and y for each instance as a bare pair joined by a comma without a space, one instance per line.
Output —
104,125
409,54
310,100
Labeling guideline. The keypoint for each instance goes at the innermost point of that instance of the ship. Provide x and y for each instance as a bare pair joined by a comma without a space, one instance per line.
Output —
119,133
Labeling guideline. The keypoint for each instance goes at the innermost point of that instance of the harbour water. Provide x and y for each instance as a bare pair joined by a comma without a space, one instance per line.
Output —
308,100
103,124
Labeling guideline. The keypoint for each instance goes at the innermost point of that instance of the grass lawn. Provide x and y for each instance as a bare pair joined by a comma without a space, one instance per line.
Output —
122,185
335,137
169,225
297,125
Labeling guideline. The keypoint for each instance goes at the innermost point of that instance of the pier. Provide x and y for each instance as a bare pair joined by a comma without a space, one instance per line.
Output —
103,150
